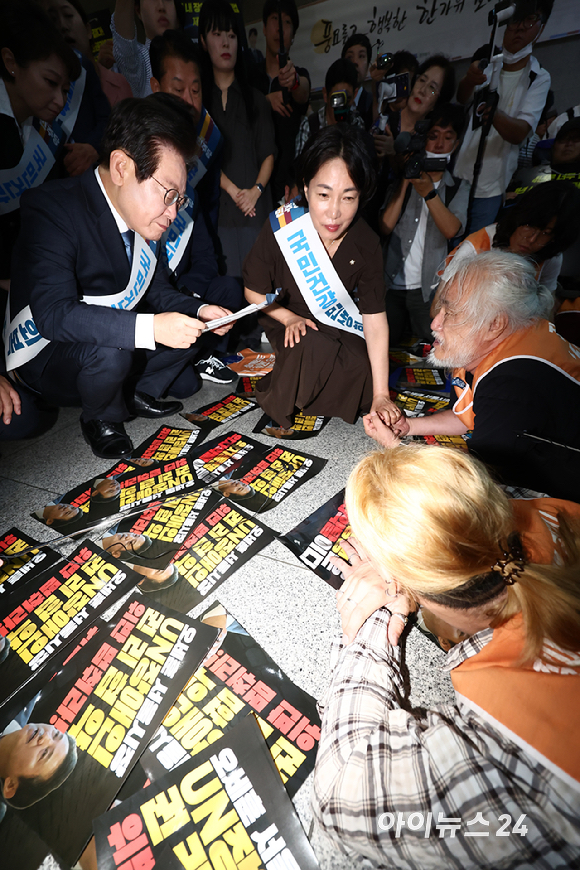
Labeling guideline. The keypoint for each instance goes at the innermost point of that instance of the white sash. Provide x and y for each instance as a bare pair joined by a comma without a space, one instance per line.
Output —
40,151
23,341
142,270
176,237
316,277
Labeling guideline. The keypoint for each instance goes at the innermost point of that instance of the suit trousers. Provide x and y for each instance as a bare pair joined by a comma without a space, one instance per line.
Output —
98,378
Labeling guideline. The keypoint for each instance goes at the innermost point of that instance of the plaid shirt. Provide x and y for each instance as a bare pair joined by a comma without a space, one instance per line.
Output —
441,790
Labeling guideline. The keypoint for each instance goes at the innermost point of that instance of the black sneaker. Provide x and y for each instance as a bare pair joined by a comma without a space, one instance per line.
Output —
213,369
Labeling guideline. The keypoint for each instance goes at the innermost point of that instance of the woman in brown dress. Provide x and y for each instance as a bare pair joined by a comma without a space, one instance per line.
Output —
322,369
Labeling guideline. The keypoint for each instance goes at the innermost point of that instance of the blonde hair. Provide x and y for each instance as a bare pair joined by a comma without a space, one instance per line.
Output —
434,519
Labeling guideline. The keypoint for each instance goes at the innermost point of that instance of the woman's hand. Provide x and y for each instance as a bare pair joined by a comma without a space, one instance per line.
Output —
364,592
385,409
295,328
246,201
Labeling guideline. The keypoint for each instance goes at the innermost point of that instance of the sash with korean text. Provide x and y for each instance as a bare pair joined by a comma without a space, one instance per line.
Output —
40,152
312,269
23,341
176,237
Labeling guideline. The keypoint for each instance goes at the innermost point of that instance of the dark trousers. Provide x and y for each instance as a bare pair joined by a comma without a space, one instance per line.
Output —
407,305
98,378
36,417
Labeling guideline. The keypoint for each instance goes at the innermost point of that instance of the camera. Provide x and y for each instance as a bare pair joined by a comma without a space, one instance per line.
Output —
412,145
385,61
393,88
339,104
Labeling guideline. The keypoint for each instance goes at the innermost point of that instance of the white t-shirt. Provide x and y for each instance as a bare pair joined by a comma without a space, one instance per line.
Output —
411,274
521,99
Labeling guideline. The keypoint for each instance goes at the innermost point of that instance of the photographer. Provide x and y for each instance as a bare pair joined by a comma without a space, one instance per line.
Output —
341,82
423,212
523,88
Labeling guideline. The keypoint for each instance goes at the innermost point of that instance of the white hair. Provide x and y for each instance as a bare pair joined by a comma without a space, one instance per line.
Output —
496,283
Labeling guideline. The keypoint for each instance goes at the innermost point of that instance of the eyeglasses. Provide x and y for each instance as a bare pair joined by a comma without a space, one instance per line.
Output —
432,88
172,196
538,231
526,23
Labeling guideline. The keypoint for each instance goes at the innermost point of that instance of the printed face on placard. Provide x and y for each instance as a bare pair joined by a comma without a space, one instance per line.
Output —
36,752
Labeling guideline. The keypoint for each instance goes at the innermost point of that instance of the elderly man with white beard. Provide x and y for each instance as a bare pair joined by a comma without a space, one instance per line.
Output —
517,382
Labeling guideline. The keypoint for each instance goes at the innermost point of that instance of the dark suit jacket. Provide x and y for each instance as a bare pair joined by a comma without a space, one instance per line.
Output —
70,247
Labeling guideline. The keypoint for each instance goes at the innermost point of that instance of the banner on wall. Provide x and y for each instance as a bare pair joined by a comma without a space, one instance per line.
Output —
454,27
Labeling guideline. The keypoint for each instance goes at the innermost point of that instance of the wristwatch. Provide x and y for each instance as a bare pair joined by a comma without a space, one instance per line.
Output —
430,195
260,187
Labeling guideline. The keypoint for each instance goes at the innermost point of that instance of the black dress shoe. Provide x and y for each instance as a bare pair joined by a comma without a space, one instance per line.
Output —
107,440
143,405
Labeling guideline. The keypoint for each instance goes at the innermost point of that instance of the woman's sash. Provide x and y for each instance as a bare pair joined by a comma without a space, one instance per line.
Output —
43,144
23,341
312,269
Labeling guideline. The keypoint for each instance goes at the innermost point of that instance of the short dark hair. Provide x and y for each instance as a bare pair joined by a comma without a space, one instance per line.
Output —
449,115
32,789
404,60
341,71
448,86
358,39
346,142
149,585
172,43
537,207
142,127
30,35
288,7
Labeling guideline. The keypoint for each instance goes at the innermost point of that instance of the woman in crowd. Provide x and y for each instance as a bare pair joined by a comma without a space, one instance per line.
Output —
540,226
73,22
330,263
432,529
81,151
434,84
243,117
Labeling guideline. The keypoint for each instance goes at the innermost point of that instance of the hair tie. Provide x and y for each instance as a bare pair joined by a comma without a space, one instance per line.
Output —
512,563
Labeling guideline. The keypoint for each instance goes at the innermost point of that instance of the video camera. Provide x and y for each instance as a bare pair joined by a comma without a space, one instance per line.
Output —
340,107
413,145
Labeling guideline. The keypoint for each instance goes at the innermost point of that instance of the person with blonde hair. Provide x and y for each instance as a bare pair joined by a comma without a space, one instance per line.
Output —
492,780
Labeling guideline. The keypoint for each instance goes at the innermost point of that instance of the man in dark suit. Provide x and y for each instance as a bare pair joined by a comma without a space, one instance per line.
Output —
92,321
358,50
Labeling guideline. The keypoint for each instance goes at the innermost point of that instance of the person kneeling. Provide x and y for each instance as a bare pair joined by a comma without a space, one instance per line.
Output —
445,787
517,381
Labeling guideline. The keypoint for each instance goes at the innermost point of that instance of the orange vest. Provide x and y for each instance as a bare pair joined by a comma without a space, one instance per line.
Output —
540,342
540,704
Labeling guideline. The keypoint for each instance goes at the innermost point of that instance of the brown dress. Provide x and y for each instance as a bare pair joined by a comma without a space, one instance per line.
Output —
328,372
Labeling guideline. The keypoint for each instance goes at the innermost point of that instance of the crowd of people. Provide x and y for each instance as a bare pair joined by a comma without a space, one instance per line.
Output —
162,185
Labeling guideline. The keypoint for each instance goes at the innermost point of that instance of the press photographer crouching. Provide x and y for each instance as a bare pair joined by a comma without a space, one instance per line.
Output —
424,209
